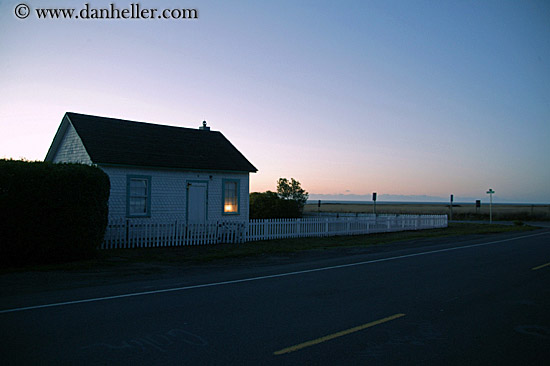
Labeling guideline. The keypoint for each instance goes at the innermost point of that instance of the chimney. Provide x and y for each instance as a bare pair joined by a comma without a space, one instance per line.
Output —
204,127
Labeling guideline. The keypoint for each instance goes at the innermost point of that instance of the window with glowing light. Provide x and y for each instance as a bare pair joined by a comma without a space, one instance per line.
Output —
138,196
230,196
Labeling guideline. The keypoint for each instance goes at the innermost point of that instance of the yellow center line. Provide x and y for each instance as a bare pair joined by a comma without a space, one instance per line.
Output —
336,335
542,266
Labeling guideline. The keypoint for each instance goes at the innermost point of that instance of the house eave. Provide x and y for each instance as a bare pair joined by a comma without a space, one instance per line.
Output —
172,169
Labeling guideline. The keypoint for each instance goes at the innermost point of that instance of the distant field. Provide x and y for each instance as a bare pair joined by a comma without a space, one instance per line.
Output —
460,211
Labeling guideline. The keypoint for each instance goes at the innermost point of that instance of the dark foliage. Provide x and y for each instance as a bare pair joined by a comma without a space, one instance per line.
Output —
292,190
51,212
268,205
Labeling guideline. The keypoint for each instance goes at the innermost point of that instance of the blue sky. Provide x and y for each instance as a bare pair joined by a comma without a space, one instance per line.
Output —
408,98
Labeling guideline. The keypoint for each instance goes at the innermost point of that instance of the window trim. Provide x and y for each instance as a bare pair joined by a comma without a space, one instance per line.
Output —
148,179
238,183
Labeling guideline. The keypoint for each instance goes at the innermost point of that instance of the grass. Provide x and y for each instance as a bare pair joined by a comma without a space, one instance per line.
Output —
462,211
172,256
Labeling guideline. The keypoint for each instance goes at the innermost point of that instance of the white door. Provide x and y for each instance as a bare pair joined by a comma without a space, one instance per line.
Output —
196,203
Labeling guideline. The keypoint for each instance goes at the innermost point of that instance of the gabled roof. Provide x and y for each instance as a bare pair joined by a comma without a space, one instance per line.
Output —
121,142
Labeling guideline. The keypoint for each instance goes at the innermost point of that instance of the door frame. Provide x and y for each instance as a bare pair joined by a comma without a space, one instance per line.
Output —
188,184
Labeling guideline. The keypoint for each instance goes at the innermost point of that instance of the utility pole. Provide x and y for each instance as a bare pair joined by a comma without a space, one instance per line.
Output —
490,193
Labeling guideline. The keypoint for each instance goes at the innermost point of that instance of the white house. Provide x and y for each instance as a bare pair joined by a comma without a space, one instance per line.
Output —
159,172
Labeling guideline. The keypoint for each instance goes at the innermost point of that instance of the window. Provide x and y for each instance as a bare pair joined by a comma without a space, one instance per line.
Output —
230,196
138,193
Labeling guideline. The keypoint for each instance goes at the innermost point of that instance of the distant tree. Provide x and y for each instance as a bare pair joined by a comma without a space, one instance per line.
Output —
292,190
288,202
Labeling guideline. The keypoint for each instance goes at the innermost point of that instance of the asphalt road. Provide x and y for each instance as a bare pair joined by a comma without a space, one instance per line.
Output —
484,300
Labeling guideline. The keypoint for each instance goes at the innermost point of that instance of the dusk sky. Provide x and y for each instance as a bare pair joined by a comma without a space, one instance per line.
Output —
411,98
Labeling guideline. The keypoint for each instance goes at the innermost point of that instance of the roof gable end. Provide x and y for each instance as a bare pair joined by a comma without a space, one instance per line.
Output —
67,146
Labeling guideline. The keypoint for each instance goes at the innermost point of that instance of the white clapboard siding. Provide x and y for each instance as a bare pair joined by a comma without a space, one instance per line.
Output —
135,233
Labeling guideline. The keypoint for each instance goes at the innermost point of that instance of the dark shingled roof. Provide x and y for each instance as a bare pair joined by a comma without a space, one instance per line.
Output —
120,142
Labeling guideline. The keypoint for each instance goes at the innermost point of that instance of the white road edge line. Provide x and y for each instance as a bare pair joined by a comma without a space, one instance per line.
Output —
263,277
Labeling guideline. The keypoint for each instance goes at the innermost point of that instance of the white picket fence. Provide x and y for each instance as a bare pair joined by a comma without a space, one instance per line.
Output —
140,234
331,226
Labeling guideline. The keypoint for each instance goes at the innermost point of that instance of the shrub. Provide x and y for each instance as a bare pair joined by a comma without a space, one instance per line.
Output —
51,212
268,205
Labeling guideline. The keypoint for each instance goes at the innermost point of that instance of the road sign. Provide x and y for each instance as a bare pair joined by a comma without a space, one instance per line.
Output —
490,193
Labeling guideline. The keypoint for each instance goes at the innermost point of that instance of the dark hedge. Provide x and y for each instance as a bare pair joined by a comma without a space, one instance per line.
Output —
268,205
51,212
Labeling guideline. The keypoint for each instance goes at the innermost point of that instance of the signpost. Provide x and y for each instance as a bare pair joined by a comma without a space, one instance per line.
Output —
478,205
374,200
451,206
490,193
